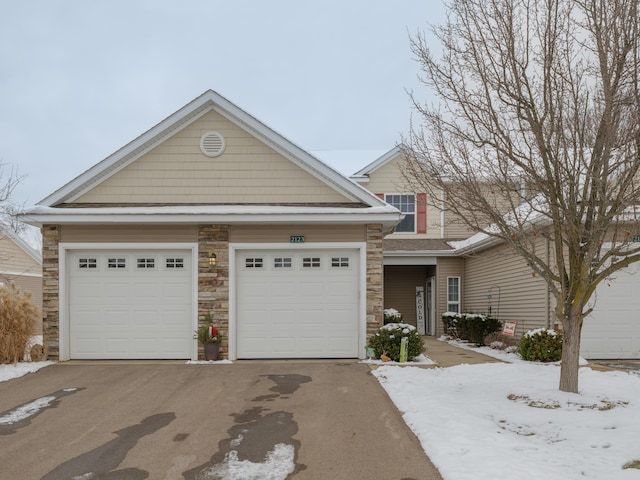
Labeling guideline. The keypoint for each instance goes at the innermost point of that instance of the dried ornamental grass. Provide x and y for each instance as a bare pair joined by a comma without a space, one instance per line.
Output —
18,314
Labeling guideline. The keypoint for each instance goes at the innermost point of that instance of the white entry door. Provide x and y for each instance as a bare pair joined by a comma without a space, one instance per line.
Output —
297,303
130,304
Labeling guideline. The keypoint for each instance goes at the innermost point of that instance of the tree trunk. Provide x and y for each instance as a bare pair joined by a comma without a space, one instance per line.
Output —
572,329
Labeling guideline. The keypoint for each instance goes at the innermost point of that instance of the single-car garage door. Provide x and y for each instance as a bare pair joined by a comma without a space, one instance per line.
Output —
612,331
297,303
132,304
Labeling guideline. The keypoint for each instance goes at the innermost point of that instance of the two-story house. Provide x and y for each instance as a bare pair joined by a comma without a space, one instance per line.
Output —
434,264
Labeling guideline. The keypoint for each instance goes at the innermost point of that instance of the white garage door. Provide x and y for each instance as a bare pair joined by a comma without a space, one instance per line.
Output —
612,331
297,304
130,304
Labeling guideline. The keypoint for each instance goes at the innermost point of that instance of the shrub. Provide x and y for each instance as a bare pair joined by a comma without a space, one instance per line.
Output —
500,341
450,323
541,345
18,314
391,315
473,327
388,338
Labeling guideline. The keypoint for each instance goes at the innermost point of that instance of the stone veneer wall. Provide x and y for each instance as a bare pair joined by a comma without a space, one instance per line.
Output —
374,278
50,289
213,282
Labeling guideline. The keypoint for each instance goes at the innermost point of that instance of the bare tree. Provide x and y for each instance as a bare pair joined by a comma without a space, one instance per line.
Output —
8,209
537,136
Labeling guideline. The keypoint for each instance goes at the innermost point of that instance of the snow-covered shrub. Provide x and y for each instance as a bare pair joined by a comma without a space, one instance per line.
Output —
541,345
473,327
450,323
388,339
500,341
18,314
391,315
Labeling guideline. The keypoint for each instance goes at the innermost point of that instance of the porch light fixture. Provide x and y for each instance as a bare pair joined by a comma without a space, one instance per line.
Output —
213,260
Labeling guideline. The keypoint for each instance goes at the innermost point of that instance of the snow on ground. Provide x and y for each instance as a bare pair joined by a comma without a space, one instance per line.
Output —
510,357
278,465
420,359
8,372
501,420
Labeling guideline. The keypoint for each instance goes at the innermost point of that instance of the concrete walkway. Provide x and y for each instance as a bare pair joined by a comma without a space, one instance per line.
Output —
446,355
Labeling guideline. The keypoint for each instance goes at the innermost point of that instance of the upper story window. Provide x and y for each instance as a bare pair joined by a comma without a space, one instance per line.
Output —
406,203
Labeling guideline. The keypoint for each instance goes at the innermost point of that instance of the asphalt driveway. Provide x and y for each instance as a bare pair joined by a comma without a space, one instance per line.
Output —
328,420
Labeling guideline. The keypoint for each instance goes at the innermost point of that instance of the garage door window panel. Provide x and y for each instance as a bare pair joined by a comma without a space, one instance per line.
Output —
87,263
116,263
173,263
311,262
282,262
252,262
339,262
146,263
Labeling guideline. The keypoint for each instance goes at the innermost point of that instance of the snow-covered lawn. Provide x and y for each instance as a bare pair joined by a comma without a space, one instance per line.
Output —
8,372
494,421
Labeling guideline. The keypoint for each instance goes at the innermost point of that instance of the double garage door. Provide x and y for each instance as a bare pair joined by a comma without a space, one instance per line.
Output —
612,331
139,304
133,304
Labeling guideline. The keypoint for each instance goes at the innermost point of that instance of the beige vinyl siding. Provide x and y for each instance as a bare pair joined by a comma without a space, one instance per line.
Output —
129,233
15,259
447,267
311,233
455,228
177,172
400,284
387,178
517,295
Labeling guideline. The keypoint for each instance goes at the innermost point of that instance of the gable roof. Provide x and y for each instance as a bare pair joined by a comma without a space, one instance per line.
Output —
366,207
188,114
28,249
362,175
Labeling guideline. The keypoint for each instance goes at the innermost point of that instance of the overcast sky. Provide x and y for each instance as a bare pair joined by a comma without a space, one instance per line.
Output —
79,79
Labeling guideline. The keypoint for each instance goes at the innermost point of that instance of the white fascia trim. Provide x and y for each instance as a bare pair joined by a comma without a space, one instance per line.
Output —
388,216
63,284
362,278
377,163
20,274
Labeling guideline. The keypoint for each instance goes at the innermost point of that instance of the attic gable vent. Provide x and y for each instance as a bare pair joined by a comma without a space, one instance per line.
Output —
212,144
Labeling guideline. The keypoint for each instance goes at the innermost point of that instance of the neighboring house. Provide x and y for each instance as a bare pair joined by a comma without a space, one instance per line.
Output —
432,254
211,212
21,264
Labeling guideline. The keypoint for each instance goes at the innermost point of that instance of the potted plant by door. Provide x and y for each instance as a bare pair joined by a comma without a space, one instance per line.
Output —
210,339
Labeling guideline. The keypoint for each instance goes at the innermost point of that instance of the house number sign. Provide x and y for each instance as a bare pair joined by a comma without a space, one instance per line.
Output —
296,238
